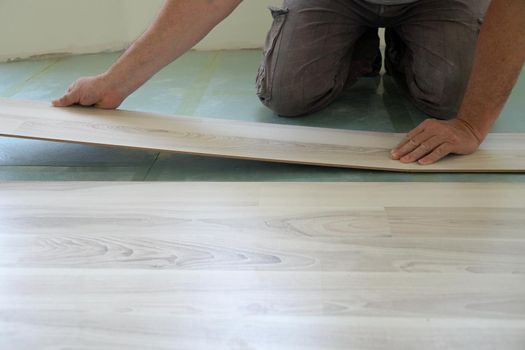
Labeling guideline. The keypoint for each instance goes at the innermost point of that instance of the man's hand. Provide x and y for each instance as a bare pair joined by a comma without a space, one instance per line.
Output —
434,139
499,59
91,91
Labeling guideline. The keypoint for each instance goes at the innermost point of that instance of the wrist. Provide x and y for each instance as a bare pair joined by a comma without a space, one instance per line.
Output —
115,84
478,132
478,120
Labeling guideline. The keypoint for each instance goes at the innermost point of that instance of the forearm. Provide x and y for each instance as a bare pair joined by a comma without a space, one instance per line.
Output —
179,26
499,58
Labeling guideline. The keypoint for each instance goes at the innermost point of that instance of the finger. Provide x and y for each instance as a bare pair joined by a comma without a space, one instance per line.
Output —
422,150
411,145
417,130
409,142
56,103
439,153
60,102
407,139
103,105
87,101
67,100
71,87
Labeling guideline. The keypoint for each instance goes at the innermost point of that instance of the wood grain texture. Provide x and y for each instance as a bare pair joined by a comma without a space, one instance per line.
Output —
262,266
244,140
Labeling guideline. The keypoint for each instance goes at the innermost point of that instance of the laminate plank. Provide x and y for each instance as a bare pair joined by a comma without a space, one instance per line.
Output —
204,251
463,223
287,293
106,331
244,140
254,310
262,266
224,197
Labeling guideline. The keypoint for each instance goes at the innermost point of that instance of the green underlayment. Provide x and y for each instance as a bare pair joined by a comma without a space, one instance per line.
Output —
216,85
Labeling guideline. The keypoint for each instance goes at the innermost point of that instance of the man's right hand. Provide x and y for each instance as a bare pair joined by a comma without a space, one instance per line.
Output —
91,91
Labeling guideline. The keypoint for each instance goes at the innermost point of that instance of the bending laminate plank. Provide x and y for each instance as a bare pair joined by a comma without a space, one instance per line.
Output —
262,266
244,140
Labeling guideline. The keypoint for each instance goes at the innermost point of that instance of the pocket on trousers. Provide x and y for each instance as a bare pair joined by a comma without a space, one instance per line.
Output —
279,17
264,74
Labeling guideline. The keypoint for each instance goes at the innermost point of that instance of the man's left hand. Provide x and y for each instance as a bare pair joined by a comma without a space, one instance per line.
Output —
434,139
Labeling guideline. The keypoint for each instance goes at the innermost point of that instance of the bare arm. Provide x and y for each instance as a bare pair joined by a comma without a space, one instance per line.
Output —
499,58
179,26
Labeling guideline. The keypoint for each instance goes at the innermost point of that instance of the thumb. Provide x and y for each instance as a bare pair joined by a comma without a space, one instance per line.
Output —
66,100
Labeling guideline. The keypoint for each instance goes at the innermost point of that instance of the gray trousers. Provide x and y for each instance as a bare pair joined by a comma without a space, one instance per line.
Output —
316,48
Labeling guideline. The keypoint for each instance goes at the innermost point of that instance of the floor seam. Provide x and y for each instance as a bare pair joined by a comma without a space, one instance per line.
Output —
197,90
19,87
151,166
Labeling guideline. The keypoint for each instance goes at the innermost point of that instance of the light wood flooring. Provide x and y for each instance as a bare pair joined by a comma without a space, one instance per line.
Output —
262,266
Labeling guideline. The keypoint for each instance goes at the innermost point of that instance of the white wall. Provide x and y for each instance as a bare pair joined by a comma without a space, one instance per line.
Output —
38,27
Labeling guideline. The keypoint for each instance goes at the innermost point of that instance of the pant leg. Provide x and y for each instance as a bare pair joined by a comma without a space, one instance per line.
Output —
308,53
431,48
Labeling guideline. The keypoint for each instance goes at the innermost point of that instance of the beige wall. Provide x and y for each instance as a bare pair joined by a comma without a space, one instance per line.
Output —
37,27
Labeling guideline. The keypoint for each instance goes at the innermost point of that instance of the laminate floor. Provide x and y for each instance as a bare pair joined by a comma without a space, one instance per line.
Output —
234,139
262,266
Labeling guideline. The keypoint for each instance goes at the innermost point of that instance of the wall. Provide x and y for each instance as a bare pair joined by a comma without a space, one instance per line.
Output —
39,27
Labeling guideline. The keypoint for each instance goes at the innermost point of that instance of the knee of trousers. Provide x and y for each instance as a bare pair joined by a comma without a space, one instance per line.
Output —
439,94
288,94
287,103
